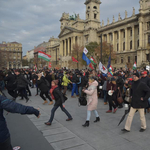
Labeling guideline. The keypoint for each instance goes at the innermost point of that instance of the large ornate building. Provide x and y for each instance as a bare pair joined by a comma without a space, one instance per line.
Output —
130,36
10,55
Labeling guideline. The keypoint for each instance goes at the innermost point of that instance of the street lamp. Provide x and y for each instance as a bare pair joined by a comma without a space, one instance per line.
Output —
101,46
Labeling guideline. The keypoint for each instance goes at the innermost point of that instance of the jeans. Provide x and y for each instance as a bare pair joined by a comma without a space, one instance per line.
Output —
89,114
149,100
6,145
105,95
55,108
74,89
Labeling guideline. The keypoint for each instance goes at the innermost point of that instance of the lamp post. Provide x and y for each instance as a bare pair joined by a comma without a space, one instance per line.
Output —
101,46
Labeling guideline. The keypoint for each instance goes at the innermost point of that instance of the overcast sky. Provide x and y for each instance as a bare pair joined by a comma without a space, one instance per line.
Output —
31,22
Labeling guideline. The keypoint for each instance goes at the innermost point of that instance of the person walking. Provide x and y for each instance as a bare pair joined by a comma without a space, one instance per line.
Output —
92,101
140,93
41,84
59,102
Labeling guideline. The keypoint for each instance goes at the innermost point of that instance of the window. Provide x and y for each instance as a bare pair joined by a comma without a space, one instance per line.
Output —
129,59
137,43
121,60
148,25
148,39
130,45
95,15
138,31
135,59
124,34
123,45
88,7
95,7
88,16
130,32
148,57
117,47
116,61
86,39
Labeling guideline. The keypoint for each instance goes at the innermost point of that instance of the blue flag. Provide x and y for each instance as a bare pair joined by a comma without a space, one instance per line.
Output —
86,59
109,62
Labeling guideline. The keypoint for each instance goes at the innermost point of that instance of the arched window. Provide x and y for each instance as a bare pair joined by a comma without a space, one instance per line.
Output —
121,60
88,7
95,7
128,59
130,45
137,43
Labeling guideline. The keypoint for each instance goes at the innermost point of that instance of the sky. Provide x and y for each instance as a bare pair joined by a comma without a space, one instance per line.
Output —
31,22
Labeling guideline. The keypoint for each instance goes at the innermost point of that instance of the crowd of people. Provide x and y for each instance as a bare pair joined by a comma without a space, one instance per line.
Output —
126,86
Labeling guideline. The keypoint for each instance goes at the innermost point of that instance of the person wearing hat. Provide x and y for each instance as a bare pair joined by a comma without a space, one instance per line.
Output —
140,93
59,102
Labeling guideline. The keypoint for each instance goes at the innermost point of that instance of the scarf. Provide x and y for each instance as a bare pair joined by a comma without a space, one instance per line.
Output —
51,91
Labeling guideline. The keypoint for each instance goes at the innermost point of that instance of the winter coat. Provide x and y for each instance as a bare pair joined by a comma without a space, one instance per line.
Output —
59,100
10,82
13,107
21,81
146,80
42,84
65,81
91,92
139,90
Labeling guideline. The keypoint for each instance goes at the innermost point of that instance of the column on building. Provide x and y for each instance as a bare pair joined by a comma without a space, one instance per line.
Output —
119,32
108,39
113,40
133,38
126,39
65,47
68,46
140,34
61,48
73,42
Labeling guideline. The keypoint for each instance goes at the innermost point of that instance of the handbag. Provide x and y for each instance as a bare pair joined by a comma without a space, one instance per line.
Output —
82,101
119,97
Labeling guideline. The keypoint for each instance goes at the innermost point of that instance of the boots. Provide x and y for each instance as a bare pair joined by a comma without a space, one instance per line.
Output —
86,124
97,119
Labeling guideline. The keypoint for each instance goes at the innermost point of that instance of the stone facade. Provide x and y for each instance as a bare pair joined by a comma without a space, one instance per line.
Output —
130,36
10,55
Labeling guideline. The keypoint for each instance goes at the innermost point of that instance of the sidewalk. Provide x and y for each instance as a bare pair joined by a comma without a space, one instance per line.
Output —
104,135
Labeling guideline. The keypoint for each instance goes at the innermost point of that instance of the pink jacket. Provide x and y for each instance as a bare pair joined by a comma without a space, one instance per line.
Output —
92,101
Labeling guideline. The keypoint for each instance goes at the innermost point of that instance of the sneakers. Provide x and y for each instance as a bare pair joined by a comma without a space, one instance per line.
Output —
51,103
48,123
45,102
105,103
69,119
16,148
109,111
73,97
115,110
124,130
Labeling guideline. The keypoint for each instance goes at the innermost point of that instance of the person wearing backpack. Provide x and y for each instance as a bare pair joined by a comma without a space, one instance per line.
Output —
42,85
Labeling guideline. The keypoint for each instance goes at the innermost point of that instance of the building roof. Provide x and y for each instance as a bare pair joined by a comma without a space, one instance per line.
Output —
39,49
3,45
14,42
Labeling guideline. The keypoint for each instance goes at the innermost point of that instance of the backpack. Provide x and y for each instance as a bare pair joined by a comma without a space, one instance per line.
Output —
82,101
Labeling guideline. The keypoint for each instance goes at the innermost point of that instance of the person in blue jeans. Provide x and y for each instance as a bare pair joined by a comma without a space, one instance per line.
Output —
75,80
59,102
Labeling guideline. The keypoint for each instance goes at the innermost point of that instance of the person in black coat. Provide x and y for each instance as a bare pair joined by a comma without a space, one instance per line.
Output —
41,83
13,107
22,83
59,102
10,84
140,93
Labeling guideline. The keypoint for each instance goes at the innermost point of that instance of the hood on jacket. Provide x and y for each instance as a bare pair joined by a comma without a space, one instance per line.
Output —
95,83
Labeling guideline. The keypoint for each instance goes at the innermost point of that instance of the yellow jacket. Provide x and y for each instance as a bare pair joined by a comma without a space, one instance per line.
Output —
65,80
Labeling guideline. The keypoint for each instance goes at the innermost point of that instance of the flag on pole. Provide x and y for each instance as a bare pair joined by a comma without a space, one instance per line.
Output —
109,62
50,65
134,66
90,65
44,56
84,57
110,70
93,61
73,59
35,68
102,68
85,51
